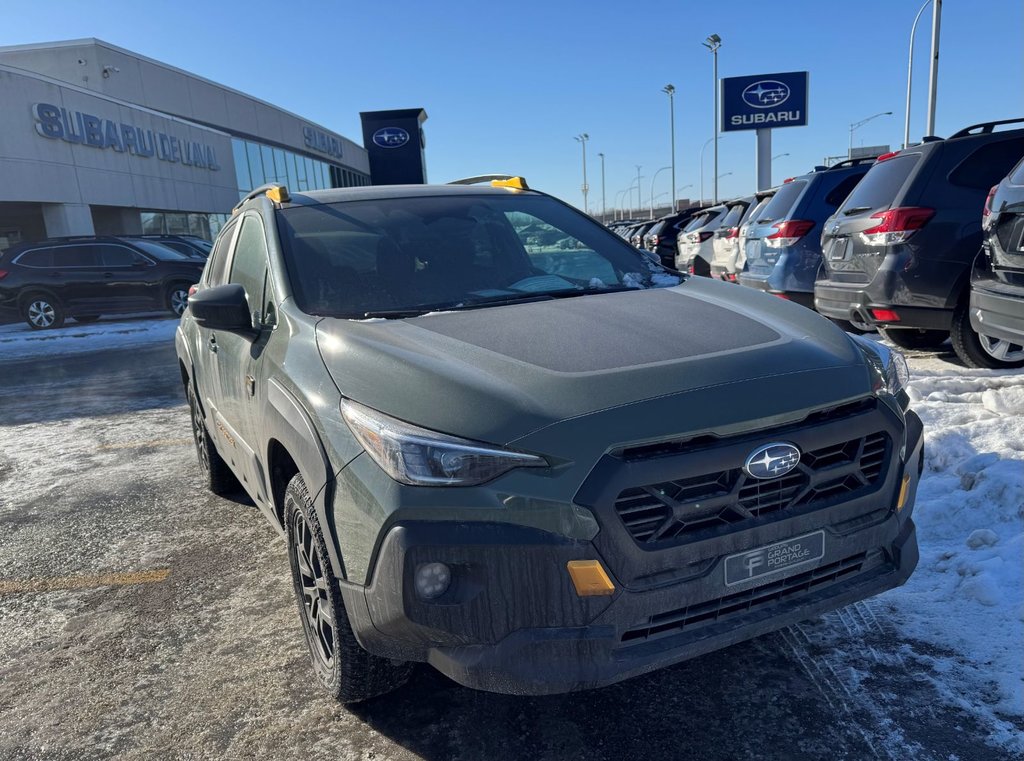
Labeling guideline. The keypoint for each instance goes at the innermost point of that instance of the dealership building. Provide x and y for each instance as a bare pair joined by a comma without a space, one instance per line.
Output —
95,139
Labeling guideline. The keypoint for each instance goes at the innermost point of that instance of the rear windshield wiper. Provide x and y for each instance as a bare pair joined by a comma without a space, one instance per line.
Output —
855,210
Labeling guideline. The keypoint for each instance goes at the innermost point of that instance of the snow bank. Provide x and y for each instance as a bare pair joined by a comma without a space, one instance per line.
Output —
19,341
966,595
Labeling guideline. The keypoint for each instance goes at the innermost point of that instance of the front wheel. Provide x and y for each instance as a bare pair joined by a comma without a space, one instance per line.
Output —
912,338
349,673
976,350
42,312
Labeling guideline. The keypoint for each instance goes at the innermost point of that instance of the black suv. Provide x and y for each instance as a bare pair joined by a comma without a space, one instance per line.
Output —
898,252
784,243
48,281
191,246
997,286
661,238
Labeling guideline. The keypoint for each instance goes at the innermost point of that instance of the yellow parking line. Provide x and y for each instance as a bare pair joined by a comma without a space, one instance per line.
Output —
142,444
82,582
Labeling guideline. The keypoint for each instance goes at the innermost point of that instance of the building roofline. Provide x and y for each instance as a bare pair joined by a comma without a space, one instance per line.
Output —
124,51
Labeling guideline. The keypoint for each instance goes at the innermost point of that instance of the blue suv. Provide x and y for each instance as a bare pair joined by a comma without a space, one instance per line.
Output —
783,246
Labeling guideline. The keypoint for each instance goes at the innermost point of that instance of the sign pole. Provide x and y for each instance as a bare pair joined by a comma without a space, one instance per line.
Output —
763,156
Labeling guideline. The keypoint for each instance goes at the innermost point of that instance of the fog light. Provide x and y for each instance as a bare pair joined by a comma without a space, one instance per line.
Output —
432,580
885,315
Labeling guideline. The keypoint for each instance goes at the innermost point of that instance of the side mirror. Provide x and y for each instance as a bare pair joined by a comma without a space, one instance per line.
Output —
223,307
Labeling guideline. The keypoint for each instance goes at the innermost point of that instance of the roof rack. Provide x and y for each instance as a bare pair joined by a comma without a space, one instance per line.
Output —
853,162
985,128
281,196
497,180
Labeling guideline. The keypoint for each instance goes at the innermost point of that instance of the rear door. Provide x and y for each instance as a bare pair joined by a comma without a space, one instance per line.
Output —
76,276
125,277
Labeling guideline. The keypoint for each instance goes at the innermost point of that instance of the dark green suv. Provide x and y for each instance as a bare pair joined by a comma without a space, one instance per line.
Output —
501,441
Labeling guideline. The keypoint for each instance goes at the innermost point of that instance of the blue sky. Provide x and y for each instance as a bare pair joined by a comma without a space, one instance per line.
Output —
508,85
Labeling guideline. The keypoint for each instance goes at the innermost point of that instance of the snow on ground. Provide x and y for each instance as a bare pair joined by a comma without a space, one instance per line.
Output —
19,341
966,596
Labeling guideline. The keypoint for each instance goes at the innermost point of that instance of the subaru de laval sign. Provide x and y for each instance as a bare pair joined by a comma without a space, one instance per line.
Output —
390,137
764,101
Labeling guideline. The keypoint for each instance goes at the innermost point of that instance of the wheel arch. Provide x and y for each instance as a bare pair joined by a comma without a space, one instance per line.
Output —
34,290
293,446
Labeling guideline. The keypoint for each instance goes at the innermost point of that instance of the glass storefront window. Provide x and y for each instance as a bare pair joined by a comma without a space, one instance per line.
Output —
280,167
256,173
269,173
241,164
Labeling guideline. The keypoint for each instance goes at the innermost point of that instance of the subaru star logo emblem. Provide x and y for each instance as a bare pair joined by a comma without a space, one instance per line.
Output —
767,93
771,460
390,137
835,228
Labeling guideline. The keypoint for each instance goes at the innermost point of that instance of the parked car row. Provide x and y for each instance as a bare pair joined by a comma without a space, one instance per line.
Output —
905,243
85,277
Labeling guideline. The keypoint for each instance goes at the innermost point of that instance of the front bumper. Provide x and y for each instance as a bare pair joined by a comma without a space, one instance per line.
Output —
512,622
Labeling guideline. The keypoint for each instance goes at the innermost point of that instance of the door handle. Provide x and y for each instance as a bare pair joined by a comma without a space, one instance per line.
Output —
108,274
213,344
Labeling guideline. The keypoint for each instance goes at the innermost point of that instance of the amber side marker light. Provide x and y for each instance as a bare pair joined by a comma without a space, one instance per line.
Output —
589,578
904,488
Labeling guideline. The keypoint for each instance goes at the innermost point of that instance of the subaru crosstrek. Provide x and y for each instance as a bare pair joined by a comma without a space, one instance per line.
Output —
452,403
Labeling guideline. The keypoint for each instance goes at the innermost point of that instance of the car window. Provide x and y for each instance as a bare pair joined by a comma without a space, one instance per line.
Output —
400,256
842,189
882,183
1017,176
987,165
658,227
216,264
755,213
159,250
40,257
249,263
118,256
182,248
782,202
735,214
76,256
699,220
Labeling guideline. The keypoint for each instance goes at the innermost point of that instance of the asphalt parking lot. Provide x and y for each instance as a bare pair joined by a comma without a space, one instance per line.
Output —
142,617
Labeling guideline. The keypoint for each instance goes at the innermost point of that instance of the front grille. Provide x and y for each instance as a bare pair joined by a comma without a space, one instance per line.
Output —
677,620
658,513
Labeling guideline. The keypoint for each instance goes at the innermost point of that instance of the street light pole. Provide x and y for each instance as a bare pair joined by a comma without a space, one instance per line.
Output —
858,125
933,72
713,43
652,187
702,149
604,206
639,200
910,75
671,92
582,140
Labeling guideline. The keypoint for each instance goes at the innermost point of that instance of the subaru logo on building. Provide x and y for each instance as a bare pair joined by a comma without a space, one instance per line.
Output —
768,93
390,137
771,461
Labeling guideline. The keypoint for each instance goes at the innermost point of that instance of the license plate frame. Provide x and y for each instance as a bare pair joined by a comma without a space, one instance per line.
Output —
778,560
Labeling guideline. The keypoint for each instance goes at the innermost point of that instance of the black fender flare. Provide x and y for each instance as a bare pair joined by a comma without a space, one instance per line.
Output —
293,428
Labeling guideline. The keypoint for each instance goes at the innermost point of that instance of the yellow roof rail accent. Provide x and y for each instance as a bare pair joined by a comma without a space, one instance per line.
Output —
516,183
279,194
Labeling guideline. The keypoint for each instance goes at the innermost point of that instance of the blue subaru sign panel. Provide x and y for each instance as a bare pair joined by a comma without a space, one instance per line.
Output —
764,101
391,137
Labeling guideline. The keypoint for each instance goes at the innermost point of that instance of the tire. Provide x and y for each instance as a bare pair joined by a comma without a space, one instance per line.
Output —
857,328
217,476
42,312
912,338
176,298
343,668
84,318
982,351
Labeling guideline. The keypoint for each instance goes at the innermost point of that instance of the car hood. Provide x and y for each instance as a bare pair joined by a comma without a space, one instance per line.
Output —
503,373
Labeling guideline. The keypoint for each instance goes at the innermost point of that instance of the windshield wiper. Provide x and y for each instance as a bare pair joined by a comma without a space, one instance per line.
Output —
855,210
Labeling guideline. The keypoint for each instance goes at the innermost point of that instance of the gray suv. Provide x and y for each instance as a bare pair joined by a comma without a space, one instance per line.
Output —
451,402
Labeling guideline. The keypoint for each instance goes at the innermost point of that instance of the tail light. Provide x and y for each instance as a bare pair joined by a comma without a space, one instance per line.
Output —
782,296
788,233
885,315
987,211
700,237
896,225
734,232
192,290
730,277
654,240
691,270
3,274
887,156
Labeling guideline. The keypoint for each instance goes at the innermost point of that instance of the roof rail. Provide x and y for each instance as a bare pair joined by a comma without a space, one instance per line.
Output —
480,179
854,162
264,190
984,128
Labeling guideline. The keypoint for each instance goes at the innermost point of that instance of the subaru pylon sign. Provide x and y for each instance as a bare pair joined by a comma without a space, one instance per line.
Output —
764,101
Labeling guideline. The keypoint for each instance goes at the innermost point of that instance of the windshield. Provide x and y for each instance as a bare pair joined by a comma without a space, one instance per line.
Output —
880,185
400,257
782,202
158,250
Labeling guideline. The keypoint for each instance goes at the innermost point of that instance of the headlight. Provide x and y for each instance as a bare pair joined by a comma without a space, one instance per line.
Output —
890,367
420,457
